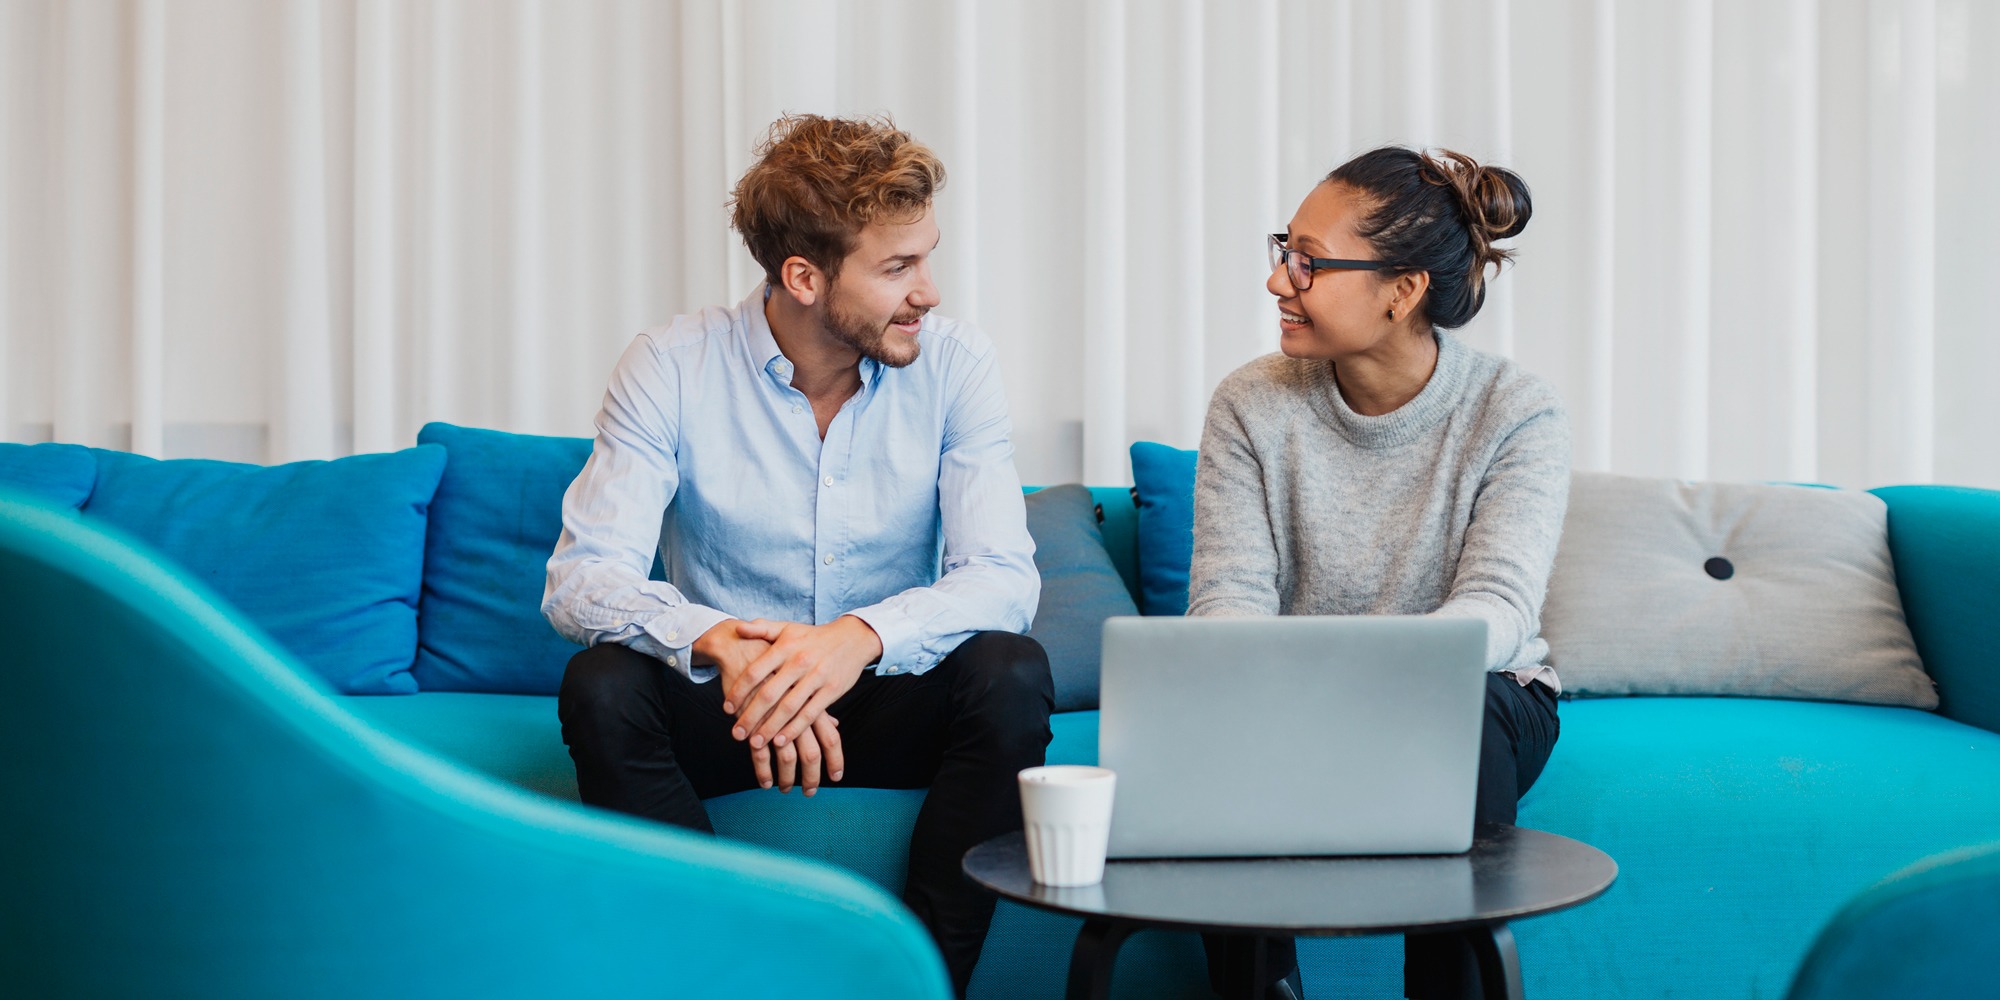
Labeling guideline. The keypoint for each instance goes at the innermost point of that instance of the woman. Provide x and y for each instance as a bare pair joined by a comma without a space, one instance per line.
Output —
1380,466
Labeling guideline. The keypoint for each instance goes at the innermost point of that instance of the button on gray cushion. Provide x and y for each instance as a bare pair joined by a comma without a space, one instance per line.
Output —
1080,588
1668,587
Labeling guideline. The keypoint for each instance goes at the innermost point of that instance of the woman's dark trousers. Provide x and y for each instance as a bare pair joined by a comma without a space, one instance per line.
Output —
1518,735
650,742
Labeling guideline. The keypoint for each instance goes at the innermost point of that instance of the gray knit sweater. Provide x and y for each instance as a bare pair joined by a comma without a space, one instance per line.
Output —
1452,504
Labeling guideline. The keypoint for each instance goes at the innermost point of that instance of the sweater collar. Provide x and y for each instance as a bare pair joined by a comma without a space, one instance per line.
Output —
1408,422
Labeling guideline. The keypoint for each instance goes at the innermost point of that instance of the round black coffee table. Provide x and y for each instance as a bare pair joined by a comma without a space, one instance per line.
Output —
1509,873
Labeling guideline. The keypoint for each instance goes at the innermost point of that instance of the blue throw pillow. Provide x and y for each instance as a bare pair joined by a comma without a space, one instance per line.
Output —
61,474
326,557
1163,479
1080,588
494,524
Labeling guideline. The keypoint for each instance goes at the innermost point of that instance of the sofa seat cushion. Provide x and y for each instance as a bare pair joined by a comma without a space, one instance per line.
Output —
1740,824
1743,825
517,739
512,737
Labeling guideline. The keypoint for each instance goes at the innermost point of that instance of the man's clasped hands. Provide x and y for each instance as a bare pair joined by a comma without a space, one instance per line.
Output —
777,679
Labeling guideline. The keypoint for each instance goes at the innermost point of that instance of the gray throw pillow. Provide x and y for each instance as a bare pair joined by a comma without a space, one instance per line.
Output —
1080,588
1669,587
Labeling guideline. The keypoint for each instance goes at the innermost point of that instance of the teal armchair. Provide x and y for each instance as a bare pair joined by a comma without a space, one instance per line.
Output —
183,813
1926,932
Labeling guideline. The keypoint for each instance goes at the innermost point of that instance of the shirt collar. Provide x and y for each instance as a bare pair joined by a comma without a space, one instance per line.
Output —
764,346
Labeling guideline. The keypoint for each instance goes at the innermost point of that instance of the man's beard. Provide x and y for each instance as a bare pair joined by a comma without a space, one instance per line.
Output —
872,339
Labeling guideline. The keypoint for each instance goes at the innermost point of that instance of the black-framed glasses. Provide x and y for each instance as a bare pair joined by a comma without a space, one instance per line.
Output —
1299,267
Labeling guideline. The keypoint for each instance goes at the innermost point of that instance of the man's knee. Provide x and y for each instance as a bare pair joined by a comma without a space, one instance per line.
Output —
1007,667
605,676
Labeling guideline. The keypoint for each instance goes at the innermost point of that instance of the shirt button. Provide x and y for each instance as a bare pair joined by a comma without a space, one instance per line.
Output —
828,560
829,480
673,661
671,636
797,409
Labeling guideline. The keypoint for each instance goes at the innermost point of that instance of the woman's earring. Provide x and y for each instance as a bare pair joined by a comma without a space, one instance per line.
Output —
1392,314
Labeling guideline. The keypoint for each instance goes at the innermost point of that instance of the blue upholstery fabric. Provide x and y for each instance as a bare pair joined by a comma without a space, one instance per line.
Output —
1945,541
1838,796
496,518
1164,480
515,738
1080,589
1739,827
327,557
211,823
60,474
1121,532
1926,932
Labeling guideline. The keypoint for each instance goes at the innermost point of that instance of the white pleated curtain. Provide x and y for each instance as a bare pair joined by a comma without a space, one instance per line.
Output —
1761,247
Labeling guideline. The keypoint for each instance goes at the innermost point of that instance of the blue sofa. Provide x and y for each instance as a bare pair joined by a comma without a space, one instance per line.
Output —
1740,826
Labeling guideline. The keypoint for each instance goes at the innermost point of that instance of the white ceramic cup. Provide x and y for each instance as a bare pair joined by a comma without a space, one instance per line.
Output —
1067,814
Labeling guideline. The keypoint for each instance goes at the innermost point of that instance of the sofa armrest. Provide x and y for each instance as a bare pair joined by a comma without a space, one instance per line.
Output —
1922,933
1945,541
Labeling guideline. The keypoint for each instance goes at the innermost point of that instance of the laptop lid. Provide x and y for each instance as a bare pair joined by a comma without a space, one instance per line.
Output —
1292,735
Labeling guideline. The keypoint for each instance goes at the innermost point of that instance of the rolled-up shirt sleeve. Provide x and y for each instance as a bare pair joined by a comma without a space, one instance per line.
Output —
989,582
597,588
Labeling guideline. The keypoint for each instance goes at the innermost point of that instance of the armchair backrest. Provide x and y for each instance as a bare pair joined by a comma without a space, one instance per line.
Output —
1922,932
184,813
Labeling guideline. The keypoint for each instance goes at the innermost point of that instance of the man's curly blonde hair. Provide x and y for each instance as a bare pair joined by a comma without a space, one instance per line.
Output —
817,181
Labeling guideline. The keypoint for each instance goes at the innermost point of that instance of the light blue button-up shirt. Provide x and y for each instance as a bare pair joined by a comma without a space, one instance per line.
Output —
908,515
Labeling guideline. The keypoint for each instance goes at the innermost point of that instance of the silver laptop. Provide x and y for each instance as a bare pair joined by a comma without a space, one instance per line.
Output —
1258,737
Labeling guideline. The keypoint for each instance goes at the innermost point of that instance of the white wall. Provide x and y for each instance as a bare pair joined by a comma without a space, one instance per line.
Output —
1761,250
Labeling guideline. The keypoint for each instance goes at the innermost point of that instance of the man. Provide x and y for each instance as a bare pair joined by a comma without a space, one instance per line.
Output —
812,451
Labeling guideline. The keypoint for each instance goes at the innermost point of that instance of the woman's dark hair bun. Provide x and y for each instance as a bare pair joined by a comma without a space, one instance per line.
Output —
1493,200
1439,212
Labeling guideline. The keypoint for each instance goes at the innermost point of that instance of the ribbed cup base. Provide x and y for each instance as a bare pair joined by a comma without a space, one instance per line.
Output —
1067,854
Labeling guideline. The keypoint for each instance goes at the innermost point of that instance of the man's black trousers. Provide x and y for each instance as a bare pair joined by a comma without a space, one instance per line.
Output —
650,742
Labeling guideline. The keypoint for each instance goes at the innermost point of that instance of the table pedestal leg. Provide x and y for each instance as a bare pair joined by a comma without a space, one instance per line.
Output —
1248,956
1093,958
1499,963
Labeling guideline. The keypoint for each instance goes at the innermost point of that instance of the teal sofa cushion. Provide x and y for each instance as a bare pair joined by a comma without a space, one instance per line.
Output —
496,519
1080,589
327,557
1163,481
513,737
61,474
1740,827
1743,825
